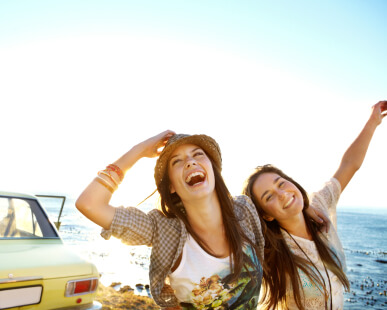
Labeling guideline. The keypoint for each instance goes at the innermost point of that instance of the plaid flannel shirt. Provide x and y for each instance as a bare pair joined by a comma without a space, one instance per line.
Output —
167,237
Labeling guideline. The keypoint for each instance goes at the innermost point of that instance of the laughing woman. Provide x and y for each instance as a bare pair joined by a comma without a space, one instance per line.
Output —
305,267
206,245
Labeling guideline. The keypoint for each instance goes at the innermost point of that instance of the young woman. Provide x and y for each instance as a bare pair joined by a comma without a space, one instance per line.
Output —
304,268
206,245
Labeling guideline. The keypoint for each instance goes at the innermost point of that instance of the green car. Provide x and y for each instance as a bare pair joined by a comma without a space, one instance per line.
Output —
37,271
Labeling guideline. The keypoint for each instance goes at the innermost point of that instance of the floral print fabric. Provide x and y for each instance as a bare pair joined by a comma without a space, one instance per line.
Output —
198,289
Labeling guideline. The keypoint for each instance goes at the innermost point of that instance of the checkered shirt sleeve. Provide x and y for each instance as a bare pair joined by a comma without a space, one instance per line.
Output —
132,226
165,235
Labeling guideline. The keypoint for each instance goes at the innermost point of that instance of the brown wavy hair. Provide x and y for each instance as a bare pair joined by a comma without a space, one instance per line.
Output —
280,264
171,206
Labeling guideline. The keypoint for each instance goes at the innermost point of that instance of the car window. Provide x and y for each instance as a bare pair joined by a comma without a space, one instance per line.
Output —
23,218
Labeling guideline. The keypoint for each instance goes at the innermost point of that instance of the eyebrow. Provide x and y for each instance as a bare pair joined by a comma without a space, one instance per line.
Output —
275,181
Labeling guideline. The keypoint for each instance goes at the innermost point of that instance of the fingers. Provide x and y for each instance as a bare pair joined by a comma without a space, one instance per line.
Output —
379,111
165,135
320,218
383,108
163,139
382,105
327,226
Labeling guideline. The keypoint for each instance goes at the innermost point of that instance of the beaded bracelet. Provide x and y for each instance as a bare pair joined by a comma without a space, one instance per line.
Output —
105,183
117,170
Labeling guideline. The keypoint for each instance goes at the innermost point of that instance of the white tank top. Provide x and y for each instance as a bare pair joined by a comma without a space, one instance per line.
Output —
201,279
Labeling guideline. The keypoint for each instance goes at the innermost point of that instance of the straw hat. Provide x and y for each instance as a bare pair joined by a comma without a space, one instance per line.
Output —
209,146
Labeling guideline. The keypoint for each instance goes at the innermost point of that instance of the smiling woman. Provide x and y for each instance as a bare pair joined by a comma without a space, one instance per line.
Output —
207,246
305,266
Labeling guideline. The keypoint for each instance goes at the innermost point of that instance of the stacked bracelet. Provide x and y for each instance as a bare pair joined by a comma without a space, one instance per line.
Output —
109,176
117,170
111,184
105,184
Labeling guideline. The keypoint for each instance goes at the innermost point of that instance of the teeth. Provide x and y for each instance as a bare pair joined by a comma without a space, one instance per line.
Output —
188,179
289,202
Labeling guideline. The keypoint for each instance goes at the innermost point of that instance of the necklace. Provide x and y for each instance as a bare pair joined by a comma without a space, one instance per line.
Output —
315,267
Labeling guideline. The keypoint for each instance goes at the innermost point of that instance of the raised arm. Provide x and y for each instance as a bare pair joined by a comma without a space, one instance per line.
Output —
94,200
355,154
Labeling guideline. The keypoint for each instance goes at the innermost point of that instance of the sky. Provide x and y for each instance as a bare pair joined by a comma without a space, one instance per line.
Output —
289,83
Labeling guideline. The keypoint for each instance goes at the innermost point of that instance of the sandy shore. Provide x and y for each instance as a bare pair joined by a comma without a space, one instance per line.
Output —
124,298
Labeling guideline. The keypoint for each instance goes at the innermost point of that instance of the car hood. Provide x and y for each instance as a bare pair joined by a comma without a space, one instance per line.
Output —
40,258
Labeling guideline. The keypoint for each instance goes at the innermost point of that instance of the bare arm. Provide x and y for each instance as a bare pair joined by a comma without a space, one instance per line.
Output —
355,154
94,200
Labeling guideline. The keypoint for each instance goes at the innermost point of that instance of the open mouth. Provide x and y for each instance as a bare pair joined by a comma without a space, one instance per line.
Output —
195,178
290,201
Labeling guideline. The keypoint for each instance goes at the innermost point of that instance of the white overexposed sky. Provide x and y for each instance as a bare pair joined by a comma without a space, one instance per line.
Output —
284,82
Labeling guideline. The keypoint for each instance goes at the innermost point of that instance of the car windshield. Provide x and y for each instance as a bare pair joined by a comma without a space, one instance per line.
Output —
22,218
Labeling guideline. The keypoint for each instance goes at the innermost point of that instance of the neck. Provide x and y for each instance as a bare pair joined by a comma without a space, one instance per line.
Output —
204,215
205,218
297,226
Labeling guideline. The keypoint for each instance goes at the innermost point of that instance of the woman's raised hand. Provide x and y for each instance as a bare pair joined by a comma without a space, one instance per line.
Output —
354,156
152,147
379,111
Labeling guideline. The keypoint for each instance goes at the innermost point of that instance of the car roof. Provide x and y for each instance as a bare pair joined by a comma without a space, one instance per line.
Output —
19,195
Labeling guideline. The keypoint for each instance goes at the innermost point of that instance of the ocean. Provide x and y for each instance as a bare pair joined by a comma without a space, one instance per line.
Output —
363,233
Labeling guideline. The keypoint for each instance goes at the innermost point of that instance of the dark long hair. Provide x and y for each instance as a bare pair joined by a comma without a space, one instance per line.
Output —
172,207
280,264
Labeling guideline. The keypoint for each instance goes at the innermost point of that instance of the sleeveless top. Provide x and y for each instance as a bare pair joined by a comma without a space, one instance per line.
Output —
202,281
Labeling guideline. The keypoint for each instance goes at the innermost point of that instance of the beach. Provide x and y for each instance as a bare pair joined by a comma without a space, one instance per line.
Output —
363,235
123,298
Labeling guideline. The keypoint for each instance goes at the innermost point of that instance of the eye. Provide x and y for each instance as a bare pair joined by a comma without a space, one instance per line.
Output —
281,184
175,161
268,197
198,153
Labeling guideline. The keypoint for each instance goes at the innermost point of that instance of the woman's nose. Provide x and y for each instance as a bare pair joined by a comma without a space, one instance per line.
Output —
281,195
190,162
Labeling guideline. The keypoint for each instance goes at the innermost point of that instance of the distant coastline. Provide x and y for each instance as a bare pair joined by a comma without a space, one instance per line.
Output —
363,210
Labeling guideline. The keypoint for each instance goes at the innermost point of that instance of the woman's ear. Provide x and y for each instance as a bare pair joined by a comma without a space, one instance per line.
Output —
171,189
268,218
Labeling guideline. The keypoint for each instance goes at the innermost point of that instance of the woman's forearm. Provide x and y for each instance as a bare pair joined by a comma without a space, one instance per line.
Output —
354,156
94,200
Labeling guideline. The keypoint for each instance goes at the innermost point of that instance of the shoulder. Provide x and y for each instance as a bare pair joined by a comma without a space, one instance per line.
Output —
249,220
328,194
163,221
243,203
246,213
245,209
